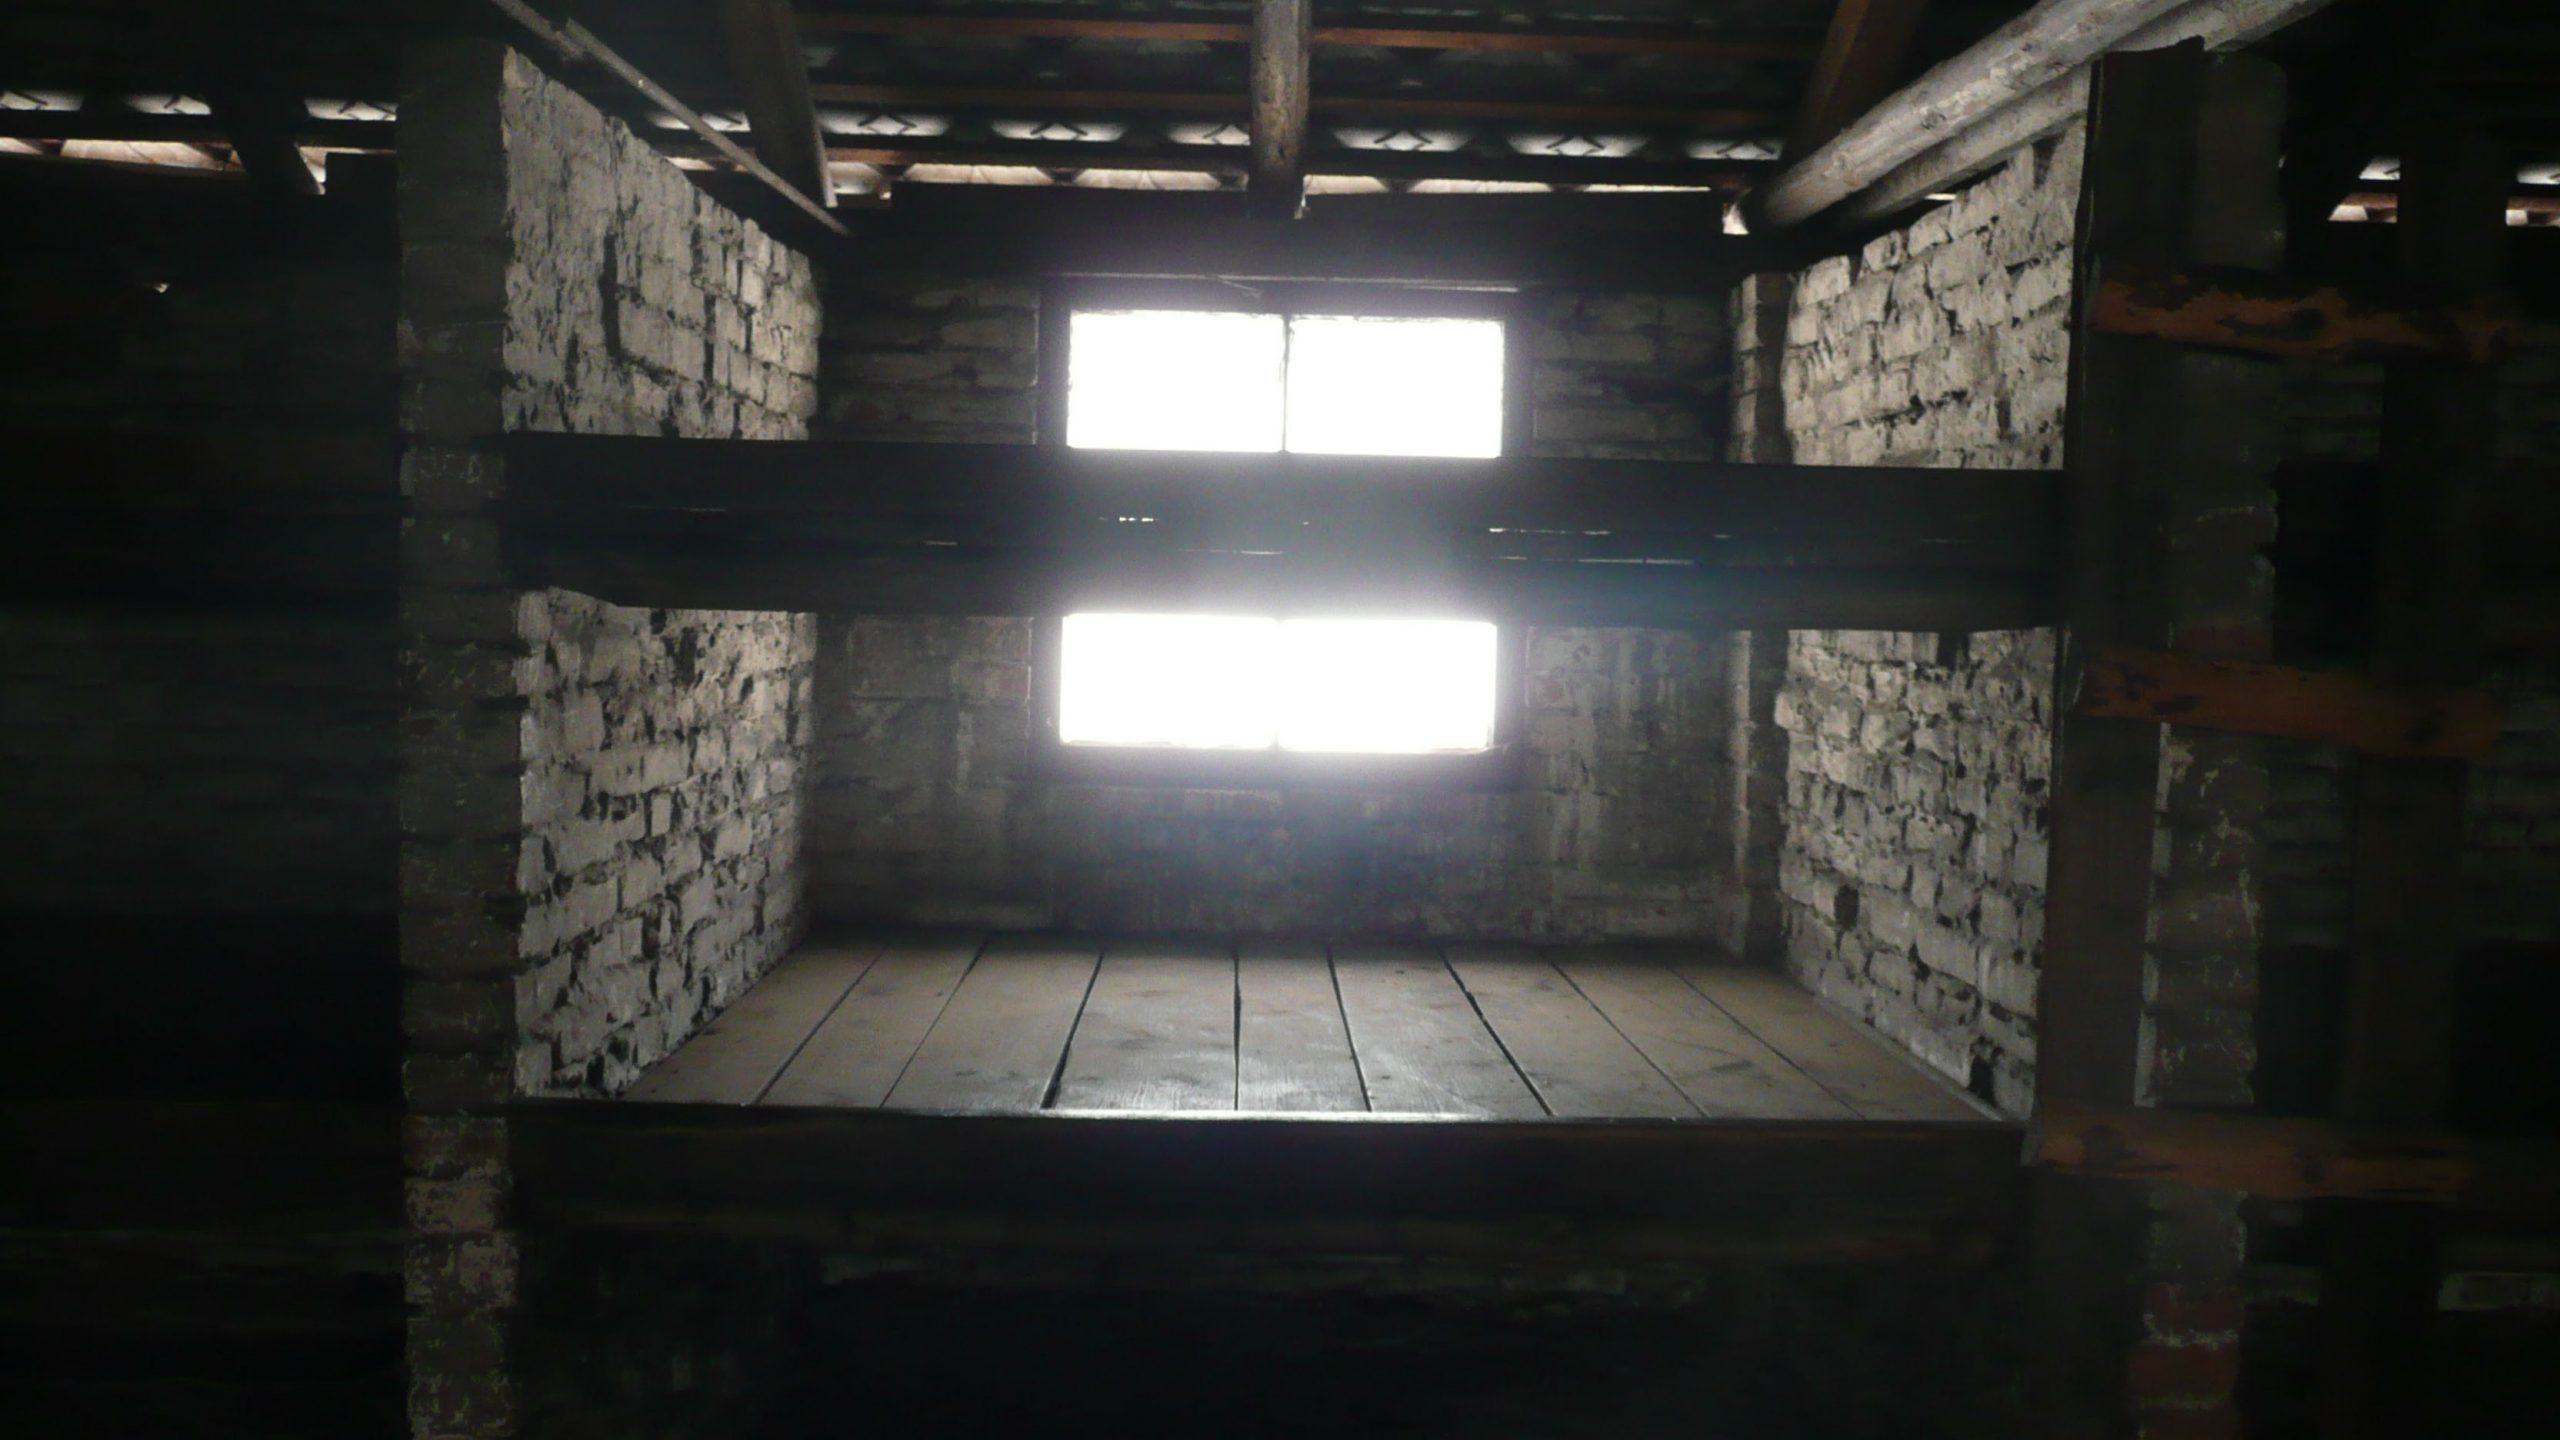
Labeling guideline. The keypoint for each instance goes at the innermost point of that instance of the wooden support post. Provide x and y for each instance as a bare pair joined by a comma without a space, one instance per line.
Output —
2297,321
2380,1273
1278,67
773,78
2164,454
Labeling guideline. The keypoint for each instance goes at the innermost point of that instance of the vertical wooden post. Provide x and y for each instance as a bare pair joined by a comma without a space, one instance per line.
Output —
1282,30
2163,443
2381,1269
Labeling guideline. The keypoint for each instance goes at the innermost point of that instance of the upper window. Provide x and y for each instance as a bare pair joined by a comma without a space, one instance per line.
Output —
1311,384
1264,372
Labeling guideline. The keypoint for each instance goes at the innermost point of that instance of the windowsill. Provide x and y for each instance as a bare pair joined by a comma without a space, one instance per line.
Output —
1494,770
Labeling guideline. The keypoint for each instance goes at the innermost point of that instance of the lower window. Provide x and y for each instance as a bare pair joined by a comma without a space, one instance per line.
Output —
1207,699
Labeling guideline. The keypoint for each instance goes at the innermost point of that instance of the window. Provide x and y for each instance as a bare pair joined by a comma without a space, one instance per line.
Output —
1271,370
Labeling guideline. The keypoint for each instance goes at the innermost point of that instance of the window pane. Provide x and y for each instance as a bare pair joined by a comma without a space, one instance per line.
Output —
1386,686
1173,380
1203,682
1376,386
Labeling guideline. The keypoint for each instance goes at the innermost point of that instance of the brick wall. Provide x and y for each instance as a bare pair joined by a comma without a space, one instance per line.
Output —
928,808
599,805
1909,871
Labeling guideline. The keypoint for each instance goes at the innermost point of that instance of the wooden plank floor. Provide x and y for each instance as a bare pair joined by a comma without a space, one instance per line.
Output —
1017,1023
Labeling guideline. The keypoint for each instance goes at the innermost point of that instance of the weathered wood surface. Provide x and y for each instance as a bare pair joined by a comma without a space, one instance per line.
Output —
1276,65
1877,1083
998,1043
2326,707
1570,1053
1722,1067
1293,1051
739,1054
1213,32
857,1052
2293,1159
1422,1046
1158,1032
2266,316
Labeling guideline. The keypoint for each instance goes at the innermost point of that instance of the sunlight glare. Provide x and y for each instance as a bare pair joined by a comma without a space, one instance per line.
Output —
1200,682
1173,380
1371,385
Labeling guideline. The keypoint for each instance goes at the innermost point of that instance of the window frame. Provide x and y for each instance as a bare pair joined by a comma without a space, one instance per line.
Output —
1494,768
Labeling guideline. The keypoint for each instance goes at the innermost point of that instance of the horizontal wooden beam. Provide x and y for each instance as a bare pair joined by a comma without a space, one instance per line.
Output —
998,529
1024,101
1666,243
2297,321
2326,707
1171,1184
1722,172
2301,1159
1210,32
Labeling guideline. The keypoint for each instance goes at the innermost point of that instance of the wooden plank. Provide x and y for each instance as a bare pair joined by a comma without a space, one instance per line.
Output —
1862,55
1422,1047
1728,1072
773,80
1570,1053
856,1054
1870,1079
2326,707
2267,316
1522,1191
1158,1032
574,44
1293,1051
1016,99
999,1041
734,1059
2298,1159
1276,71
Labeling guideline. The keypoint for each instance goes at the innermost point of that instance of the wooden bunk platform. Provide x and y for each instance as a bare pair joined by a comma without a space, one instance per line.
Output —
1041,1023
934,1100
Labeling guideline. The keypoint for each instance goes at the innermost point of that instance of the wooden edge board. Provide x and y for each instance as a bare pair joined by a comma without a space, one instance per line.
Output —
2124,682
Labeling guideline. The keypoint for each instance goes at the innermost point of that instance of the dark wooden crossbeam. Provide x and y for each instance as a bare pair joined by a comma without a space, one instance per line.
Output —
997,529
1622,41
2297,320
1861,59
773,80
1662,242
2295,1159
2325,707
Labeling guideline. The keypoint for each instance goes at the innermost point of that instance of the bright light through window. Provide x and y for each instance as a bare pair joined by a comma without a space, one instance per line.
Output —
1173,380
1224,682
1369,386
1314,384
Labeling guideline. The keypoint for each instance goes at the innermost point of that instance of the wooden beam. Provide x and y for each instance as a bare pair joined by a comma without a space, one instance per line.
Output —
2297,1159
1722,173
2297,320
1174,1184
1660,242
1862,55
573,44
2324,707
1033,100
994,529
773,79
1922,126
1541,42
1278,72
